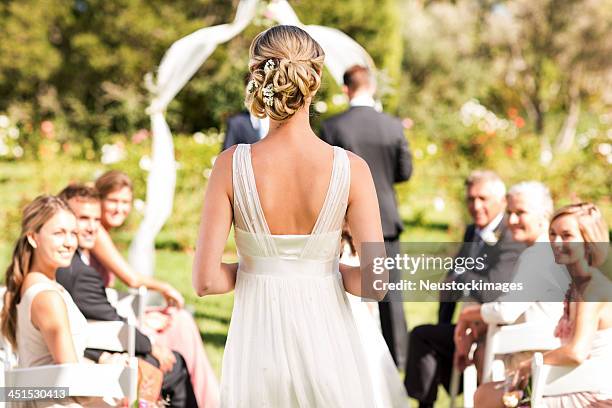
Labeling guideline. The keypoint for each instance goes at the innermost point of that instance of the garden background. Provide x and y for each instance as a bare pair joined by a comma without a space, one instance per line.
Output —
522,87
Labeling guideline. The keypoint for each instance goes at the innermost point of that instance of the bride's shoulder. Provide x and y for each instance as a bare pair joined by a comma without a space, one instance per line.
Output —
224,159
359,167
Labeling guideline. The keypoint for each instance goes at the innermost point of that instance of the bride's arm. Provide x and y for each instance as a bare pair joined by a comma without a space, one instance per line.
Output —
211,276
363,218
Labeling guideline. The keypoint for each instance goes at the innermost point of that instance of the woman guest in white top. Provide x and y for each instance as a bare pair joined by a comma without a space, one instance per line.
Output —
39,318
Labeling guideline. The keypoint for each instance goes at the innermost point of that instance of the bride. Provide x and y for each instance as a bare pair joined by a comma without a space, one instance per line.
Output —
292,340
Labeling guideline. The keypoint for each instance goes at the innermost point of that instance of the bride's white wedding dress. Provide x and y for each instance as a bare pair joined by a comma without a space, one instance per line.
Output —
292,340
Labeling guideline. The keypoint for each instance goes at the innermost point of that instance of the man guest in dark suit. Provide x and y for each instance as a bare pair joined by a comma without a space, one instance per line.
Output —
432,349
244,128
86,287
379,139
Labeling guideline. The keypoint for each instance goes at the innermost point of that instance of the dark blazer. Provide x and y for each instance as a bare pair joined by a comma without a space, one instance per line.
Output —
86,287
500,266
240,130
379,139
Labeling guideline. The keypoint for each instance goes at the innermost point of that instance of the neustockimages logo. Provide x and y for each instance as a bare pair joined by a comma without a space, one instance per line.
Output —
412,264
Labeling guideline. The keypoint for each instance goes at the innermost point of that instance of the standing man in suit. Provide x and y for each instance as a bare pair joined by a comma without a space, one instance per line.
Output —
432,349
378,139
245,128
86,287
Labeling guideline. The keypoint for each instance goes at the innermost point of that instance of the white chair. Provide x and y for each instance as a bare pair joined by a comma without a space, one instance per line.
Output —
514,338
547,381
130,304
504,339
88,380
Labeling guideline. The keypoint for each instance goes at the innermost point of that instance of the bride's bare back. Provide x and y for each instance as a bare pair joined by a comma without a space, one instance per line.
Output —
292,185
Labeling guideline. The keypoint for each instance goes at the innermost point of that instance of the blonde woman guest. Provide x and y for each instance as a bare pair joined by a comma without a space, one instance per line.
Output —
173,326
579,238
39,318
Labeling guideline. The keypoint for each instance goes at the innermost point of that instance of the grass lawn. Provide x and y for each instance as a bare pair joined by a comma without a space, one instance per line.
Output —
20,182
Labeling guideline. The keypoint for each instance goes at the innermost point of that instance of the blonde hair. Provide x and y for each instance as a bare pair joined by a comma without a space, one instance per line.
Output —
112,181
35,215
294,73
592,227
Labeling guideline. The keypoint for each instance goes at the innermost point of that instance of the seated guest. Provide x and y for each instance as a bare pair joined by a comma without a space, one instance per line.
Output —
39,318
529,209
86,286
579,239
430,355
173,327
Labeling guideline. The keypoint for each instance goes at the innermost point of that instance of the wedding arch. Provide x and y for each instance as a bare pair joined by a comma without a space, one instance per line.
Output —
178,65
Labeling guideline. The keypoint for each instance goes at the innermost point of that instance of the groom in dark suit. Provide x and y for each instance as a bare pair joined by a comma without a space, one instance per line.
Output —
378,139
86,287
432,350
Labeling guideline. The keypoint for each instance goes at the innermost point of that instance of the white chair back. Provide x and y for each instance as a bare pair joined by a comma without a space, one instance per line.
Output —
548,381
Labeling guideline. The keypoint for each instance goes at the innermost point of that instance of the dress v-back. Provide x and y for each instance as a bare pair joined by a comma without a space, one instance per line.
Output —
292,340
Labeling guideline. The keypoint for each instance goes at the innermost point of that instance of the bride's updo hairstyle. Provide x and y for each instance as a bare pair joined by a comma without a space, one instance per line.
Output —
285,71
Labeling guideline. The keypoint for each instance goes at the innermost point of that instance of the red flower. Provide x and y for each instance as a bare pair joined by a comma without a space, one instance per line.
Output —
47,129
519,122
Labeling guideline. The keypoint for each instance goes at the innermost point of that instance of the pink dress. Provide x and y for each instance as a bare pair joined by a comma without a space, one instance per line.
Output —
176,329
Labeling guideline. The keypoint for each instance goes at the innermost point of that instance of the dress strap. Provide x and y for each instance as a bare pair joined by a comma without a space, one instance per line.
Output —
248,214
334,207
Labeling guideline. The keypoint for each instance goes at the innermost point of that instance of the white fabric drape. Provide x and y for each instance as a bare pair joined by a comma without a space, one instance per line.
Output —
341,51
178,65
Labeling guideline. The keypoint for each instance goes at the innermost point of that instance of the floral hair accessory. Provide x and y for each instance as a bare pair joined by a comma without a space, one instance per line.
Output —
252,86
270,65
268,93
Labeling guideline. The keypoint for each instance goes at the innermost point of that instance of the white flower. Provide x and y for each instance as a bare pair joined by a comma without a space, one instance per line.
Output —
13,132
4,121
112,153
321,107
489,238
199,137
270,65
17,151
439,204
432,149
145,163
268,93
510,400
604,149
139,205
252,86
546,157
